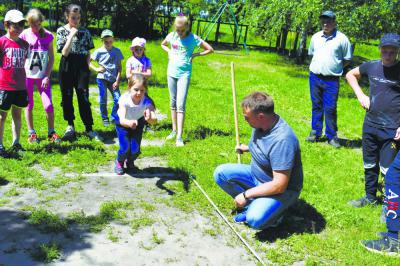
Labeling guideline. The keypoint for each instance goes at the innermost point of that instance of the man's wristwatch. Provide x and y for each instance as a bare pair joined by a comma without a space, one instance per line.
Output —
244,195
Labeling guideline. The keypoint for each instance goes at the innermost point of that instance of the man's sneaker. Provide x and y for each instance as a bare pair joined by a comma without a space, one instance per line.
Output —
54,137
69,133
179,142
94,135
386,246
277,222
313,137
106,122
361,202
3,152
240,218
17,148
32,138
334,142
119,168
171,135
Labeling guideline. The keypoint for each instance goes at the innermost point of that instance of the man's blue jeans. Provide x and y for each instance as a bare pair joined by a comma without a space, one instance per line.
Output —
103,86
324,95
392,195
260,212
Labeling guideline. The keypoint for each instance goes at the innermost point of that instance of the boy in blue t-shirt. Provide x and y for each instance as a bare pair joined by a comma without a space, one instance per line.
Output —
108,74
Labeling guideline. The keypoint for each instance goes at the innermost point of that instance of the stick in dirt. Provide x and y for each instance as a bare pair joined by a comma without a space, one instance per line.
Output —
253,252
235,108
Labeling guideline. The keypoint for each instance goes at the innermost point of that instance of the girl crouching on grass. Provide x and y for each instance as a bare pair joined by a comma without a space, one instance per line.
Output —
134,110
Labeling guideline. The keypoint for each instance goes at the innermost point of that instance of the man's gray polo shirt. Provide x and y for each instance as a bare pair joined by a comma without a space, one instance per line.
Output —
329,53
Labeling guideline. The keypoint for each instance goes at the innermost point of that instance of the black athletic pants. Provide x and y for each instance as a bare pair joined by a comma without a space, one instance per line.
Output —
379,151
74,74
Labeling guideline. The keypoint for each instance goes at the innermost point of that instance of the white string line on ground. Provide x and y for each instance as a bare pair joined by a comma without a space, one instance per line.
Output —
254,253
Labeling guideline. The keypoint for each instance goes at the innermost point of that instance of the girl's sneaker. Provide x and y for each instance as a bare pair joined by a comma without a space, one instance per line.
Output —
119,168
171,135
54,137
17,149
179,142
33,139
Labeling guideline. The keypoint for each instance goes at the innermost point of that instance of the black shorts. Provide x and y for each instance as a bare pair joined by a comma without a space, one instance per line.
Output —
16,98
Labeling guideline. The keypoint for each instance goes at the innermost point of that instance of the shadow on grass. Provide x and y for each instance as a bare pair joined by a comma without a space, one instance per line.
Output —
108,134
297,74
202,132
299,218
351,143
158,84
164,175
3,181
346,143
23,243
64,149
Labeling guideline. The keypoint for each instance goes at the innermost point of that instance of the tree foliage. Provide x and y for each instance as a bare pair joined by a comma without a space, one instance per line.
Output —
359,19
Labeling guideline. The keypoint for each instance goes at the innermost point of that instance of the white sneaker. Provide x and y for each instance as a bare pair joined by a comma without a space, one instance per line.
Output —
69,133
94,135
171,135
179,142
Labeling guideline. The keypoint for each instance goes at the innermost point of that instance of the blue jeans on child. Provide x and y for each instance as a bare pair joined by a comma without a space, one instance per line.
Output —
178,91
129,141
392,194
324,93
261,212
103,86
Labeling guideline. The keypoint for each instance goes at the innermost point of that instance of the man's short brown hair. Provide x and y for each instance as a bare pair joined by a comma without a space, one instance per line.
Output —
258,102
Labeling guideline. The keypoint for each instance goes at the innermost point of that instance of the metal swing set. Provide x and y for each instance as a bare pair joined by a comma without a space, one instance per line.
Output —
227,5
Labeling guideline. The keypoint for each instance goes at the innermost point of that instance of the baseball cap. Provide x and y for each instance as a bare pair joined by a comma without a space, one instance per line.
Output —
107,33
390,39
138,42
14,16
327,14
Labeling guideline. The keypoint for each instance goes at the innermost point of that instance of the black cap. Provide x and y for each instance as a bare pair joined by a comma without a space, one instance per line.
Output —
328,14
390,39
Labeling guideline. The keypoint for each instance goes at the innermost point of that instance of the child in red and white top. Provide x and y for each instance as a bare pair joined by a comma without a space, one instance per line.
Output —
13,94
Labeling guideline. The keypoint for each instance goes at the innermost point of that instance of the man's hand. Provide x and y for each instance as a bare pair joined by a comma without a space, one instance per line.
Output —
397,136
364,101
241,148
240,201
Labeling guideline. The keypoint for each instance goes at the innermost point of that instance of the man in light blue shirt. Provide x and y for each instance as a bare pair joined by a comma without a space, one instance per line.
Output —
331,52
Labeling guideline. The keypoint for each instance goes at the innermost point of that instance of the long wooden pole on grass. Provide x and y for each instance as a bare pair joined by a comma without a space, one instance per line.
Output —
235,108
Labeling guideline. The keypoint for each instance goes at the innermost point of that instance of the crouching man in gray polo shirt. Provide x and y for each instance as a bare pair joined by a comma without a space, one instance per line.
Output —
272,182
331,52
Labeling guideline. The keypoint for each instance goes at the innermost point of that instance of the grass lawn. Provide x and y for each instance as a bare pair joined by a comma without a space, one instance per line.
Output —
328,230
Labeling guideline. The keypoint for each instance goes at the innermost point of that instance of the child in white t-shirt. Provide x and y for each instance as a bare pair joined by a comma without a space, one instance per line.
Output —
134,110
